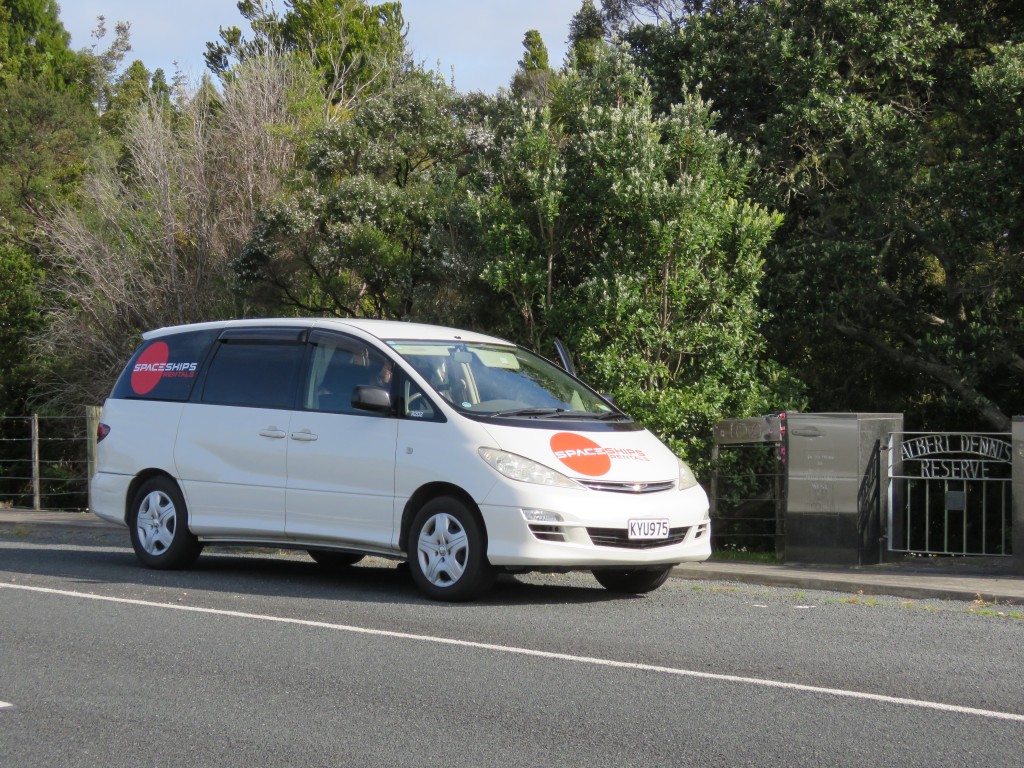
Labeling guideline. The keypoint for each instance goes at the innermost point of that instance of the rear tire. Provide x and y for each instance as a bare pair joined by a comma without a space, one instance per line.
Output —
331,559
447,551
158,522
632,580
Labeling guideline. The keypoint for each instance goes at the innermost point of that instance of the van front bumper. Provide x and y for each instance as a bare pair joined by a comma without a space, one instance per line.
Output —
589,529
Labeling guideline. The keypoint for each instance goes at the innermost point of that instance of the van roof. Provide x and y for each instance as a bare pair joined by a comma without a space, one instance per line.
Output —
385,330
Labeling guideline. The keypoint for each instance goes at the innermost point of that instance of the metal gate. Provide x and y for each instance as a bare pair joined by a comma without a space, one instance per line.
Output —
950,493
748,485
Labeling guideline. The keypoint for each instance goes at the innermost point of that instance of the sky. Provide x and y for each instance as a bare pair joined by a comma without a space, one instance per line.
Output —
481,40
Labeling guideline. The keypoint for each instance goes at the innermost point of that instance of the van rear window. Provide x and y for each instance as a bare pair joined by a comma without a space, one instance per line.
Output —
254,375
164,368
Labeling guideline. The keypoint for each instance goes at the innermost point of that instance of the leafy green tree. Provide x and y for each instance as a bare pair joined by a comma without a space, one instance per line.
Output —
889,136
44,136
586,34
102,64
46,129
34,45
129,92
533,79
364,234
627,15
21,300
353,45
630,236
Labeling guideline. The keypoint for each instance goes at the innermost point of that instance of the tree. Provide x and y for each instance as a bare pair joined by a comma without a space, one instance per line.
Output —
102,64
889,136
628,235
353,45
364,233
624,15
44,136
586,33
21,292
129,93
152,239
532,81
34,46
46,129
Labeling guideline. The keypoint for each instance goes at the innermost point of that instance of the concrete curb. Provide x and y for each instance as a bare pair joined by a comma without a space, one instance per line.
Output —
902,583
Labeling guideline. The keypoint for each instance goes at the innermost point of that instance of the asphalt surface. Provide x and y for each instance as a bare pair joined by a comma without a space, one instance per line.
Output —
261,658
921,578
264,659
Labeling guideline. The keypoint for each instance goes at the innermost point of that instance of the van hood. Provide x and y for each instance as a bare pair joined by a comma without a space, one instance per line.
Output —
634,456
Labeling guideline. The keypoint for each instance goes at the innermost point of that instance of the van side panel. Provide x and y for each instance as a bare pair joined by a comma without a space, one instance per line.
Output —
232,463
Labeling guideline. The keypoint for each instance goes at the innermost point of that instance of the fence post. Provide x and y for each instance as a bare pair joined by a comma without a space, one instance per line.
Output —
92,422
35,462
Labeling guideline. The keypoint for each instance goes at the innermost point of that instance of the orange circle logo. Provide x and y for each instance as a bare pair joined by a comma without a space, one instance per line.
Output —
581,454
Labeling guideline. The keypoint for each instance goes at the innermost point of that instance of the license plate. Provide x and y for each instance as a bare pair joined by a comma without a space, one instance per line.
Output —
648,529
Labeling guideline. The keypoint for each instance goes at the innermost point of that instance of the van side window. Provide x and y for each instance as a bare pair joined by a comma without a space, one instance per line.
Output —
256,375
414,403
339,365
165,368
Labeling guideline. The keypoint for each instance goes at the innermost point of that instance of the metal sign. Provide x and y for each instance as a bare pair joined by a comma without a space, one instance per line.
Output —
762,429
950,493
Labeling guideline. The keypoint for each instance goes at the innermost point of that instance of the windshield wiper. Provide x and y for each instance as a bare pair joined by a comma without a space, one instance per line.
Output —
595,415
611,416
529,412
561,413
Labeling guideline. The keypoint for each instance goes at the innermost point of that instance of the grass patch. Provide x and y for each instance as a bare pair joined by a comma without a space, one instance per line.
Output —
743,556
855,601
993,612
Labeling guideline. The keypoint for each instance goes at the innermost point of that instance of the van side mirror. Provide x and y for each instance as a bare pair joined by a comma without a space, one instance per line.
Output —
367,398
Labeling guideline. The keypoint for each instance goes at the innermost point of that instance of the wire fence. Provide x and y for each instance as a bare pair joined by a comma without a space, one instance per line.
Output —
45,461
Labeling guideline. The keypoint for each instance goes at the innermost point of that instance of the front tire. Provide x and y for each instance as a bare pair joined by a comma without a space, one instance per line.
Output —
158,522
448,551
632,580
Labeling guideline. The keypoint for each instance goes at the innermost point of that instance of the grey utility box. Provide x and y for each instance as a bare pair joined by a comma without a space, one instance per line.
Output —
836,490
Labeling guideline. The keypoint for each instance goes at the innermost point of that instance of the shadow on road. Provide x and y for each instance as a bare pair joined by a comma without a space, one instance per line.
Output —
97,558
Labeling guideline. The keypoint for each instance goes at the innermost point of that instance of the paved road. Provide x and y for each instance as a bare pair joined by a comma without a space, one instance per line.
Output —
254,660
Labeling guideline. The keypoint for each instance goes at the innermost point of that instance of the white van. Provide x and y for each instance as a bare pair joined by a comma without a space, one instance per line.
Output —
462,453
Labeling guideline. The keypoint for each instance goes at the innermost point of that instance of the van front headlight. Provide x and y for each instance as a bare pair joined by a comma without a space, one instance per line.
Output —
525,470
686,476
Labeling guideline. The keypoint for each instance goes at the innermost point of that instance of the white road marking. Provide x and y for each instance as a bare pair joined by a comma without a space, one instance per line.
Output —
5,705
763,682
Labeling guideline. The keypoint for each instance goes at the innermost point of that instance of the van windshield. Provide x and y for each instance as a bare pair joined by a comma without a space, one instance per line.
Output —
499,381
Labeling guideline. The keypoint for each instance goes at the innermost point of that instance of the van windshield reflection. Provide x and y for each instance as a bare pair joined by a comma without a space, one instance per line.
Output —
503,381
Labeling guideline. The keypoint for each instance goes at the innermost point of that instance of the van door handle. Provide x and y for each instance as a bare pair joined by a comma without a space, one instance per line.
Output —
272,432
305,436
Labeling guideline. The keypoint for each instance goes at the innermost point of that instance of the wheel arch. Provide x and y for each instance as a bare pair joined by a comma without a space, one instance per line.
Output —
432,491
139,480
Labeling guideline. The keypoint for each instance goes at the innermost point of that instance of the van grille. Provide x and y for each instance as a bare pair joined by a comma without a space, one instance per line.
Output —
616,487
619,537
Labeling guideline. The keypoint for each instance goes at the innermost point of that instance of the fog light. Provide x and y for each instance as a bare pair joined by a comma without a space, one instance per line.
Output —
541,516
